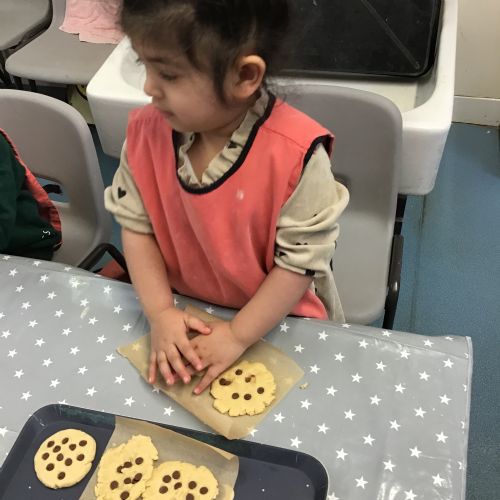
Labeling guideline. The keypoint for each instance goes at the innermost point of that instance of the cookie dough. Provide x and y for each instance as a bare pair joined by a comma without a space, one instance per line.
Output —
64,458
244,389
125,469
181,481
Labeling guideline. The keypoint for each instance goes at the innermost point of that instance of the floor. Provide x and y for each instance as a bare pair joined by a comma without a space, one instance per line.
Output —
451,278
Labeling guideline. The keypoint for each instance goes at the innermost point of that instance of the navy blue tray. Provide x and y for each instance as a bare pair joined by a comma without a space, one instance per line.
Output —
265,472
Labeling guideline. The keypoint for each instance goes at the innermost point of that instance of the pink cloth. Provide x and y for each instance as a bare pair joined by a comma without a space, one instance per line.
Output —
94,20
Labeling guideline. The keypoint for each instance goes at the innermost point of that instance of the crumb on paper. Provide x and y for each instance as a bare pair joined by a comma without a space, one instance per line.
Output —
305,385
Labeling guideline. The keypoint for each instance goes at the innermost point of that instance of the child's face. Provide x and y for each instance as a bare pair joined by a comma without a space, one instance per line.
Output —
185,96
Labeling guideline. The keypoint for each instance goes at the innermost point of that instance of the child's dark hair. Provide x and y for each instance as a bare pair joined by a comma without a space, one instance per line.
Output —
211,33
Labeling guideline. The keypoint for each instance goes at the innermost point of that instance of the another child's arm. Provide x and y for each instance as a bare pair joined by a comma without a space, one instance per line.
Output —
275,298
169,325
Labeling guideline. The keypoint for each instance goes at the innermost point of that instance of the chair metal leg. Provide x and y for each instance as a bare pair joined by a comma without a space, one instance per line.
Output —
95,256
32,84
19,83
391,302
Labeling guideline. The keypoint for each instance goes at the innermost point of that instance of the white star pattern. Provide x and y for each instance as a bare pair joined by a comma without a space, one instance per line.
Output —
349,415
356,377
59,313
441,438
209,310
444,399
323,428
39,342
110,358
93,321
33,323
346,325
438,480
82,370
284,327
74,283
26,396
25,306
253,432
368,440
410,495
91,391
54,383
278,417
13,272
36,263
3,431
299,348
424,376
117,309
168,411
339,357
51,295
381,366
428,343
405,353
419,412
19,289
47,362
400,388
363,344
386,333
107,289
295,442
331,391
332,496
126,327
19,373
341,454
314,369
322,335
305,404
6,334
129,401
415,452
43,278
448,363
375,400
395,425
84,303
361,483
74,350
389,466
119,379
66,332
101,339
12,353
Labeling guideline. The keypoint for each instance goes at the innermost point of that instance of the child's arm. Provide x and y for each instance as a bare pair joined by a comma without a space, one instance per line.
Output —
169,325
274,299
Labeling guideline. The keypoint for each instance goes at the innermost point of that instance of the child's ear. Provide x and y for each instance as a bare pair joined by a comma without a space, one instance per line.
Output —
247,78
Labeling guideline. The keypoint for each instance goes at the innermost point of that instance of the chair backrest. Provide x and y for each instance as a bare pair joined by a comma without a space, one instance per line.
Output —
56,144
367,130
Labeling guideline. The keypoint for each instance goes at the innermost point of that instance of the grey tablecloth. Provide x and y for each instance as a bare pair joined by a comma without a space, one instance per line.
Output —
387,413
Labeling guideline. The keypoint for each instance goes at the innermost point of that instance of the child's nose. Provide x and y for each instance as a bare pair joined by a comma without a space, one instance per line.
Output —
151,87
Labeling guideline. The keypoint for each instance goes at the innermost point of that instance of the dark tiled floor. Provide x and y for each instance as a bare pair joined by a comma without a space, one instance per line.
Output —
451,279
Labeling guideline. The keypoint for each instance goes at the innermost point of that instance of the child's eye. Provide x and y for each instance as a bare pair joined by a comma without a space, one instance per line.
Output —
168,77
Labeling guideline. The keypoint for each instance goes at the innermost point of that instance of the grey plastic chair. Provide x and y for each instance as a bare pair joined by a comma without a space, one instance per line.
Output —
58,57
366,156
19,20
56,144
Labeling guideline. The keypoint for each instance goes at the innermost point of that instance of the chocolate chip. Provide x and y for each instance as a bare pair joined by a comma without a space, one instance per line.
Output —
72,447
113,485
176,474
192,485
125,495
127,465
260,390
163,490
80,457
83,442
137,478
128,480
167,479
50,444
68,462
60,457
248,379
56,449
238,372
139,460
177,486
235,395
223,381
248,396
50,467
45,456
119,469
61,475
65,440
189,496
204,490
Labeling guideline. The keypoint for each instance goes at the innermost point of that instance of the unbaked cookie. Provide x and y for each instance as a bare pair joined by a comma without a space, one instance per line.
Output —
124,470
181,481
64,458
244,389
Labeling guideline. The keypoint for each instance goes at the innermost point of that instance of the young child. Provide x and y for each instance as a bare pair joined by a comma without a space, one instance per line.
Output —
224,193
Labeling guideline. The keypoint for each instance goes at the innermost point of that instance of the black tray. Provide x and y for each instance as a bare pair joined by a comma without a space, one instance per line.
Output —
266,472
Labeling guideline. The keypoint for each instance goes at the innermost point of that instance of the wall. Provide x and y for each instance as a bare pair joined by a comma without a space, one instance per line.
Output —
477,83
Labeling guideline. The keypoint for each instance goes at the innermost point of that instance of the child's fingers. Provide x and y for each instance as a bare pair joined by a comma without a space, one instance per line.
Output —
207,379
196,324
164,367
152,368
177,364
189,353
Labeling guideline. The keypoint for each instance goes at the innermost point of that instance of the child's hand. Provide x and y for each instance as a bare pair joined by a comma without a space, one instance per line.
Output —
218,351
169,344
